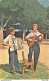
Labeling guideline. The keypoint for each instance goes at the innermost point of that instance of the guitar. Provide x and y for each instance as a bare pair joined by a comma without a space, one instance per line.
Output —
35,39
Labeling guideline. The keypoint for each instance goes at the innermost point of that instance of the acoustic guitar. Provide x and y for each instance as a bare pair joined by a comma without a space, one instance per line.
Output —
35,39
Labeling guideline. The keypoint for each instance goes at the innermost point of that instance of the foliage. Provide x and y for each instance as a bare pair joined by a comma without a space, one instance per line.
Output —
26,12
47,12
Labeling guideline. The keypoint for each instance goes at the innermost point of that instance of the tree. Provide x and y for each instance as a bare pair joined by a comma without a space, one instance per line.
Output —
7,9
26,12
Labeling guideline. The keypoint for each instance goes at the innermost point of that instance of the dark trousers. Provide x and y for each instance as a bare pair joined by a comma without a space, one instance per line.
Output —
13,60
36,49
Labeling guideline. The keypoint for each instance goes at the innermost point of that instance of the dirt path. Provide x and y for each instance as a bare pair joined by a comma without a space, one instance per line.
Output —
43,58
44,54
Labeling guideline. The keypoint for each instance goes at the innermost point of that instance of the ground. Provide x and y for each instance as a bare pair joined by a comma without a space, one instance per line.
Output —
43,57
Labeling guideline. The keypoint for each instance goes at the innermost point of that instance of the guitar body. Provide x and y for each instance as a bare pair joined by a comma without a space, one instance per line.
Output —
35,39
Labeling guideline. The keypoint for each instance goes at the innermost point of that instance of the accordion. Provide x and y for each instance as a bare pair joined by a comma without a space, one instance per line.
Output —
16,44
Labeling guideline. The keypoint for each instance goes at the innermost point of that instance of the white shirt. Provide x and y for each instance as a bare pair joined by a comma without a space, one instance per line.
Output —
7,38
32,34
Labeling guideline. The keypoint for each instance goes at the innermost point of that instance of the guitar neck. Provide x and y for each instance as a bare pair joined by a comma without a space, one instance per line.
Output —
39,36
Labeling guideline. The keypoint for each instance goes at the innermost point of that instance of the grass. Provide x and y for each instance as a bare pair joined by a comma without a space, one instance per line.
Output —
41,72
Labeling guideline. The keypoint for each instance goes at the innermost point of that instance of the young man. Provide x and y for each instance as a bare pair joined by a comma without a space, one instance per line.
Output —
13,58
36,47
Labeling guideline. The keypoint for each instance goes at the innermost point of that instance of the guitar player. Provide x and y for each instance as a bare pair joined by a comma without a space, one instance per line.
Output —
36,47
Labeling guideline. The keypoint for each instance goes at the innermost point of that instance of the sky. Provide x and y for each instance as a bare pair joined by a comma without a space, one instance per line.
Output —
44,2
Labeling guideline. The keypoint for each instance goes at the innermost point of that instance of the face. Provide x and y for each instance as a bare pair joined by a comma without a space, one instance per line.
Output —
34,27
13,32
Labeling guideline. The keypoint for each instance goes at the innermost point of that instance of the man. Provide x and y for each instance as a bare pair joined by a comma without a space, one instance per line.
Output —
13,58
36,47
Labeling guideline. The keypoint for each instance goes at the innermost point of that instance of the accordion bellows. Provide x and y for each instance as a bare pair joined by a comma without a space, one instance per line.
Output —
16,44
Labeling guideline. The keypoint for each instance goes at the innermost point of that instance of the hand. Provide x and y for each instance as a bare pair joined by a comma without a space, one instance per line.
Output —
35,40
9,45
30,40
42,36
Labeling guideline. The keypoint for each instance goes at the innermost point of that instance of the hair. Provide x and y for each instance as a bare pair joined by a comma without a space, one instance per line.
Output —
11,29
35,25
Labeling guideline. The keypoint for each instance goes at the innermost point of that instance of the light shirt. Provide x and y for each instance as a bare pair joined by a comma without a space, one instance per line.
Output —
8,37
32,34
8,40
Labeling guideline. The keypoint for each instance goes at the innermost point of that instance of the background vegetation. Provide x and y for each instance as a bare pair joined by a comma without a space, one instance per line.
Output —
26,12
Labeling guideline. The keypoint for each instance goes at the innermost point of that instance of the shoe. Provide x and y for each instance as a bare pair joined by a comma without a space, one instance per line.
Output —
29,67
19,72
34,69
12,72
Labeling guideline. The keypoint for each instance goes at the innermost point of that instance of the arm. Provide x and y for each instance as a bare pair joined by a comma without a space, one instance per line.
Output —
27,38
42,37
3,43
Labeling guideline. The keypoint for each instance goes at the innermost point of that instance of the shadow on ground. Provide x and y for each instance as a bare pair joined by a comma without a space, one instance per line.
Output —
5,67
41,72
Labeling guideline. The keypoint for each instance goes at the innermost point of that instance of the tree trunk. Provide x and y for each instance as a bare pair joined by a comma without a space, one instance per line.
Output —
23,35
1,19
1,36
7,21
46,35
1,30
